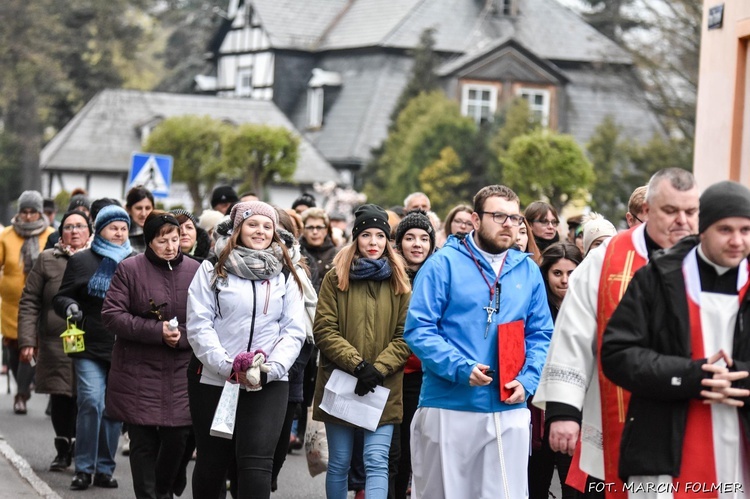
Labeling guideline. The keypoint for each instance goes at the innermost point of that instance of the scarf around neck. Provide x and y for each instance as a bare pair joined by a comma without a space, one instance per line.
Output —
30,231
368,269
67,250
113,254
255,265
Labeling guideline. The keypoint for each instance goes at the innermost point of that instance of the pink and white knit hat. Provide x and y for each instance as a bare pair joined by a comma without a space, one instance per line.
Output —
242,211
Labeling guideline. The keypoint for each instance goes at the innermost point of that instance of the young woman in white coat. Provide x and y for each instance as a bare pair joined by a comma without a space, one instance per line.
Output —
248,298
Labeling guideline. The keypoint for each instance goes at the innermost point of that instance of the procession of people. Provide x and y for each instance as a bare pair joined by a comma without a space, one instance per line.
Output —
501,345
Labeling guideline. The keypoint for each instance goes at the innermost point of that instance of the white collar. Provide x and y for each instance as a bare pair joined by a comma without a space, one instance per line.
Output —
492,258
718,268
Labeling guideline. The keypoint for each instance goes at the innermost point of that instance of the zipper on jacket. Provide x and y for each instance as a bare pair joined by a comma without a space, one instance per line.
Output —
268,295
252,323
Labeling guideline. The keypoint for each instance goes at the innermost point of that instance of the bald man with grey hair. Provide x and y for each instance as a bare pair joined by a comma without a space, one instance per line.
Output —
586,411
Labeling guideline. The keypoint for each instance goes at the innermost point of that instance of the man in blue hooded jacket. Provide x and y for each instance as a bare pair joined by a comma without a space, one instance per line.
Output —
465,441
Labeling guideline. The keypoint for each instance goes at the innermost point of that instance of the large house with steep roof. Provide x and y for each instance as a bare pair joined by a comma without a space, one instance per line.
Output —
94,149
337,67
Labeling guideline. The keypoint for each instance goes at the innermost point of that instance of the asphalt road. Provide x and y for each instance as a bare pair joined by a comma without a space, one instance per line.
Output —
32,437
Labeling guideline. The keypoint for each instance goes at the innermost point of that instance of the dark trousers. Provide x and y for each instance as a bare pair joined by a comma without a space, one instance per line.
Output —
542,464
157,459
412,388
23,373
259,418
282,446
63,411
356,478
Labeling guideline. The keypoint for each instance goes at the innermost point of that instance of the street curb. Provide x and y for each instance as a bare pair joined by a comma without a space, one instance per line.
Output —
24,469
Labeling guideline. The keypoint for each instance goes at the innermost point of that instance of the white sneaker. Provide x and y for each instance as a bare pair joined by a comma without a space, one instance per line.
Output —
125,444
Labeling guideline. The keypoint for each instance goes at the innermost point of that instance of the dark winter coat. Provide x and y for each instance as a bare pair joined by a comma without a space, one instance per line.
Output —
40,327
98,340
202,245
645,348
148,379
366,322
319,259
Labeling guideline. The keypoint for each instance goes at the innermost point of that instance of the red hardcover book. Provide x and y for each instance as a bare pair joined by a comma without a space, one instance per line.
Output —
511,353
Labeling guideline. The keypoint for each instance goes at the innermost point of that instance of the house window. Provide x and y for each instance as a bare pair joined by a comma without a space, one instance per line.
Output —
479,102
315,107
538,103
507,7
244,86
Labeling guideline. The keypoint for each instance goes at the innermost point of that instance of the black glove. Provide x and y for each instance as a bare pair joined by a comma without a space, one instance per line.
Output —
74,312
367,378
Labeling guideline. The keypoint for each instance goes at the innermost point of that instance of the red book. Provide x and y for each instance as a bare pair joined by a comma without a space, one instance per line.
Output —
511,353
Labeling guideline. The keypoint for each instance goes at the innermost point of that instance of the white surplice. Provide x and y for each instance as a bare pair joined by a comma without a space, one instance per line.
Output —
571,374
718,318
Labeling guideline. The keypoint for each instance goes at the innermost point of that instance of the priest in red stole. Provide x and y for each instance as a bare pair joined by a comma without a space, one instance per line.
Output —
679,341
585,411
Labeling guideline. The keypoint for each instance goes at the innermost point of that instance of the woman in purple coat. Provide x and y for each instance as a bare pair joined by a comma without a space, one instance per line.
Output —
148,381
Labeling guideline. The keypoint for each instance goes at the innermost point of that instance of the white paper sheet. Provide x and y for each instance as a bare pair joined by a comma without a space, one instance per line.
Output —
339,400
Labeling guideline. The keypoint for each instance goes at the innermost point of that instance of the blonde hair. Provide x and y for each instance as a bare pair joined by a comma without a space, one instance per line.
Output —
344,259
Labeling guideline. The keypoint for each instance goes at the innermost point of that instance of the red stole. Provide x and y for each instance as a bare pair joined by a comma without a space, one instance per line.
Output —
621,261
698,463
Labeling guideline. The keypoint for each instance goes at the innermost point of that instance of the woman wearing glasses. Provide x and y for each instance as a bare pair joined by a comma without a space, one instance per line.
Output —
457,221
318,247
317,244
20,246
543,220
40,328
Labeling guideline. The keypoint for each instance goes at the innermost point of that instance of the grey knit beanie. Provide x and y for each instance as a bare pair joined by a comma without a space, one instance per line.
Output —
31,200
723,200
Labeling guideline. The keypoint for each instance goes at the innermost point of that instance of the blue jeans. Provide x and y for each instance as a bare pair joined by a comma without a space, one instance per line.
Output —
377,445
96,434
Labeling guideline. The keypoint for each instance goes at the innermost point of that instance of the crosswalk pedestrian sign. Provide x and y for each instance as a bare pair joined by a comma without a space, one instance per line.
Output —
152,171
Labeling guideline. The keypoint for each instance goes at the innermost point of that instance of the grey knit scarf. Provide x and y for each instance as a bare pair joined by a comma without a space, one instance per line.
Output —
256,265
30,231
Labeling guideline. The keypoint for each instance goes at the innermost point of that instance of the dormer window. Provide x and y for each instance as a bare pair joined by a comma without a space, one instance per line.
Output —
506,7
478,101
244,86
315,107
539,103
316,95
502,7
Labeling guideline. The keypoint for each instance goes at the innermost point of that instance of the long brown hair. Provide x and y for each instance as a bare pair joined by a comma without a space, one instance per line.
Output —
343,264
531,246
234,241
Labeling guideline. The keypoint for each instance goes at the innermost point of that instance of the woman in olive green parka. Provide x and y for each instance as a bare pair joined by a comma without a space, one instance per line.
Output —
359,325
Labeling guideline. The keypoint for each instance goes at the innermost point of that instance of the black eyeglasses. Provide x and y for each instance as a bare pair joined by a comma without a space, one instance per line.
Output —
553,223
639,220
71,228
463,223
500,218
313,228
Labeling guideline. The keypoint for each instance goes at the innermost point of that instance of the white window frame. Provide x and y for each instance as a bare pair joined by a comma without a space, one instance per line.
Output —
239,90
478,103
315,97
543,109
